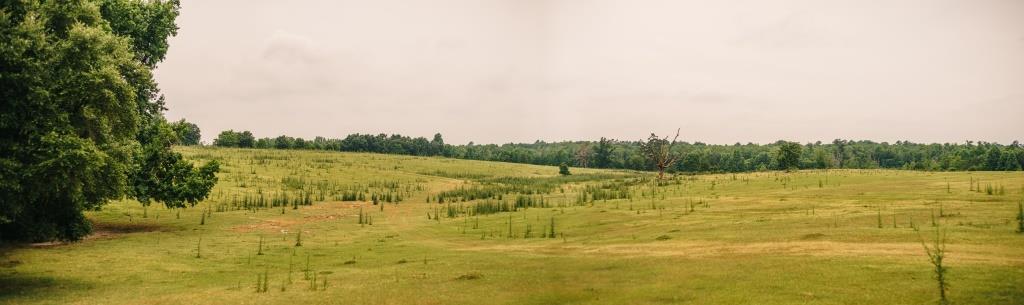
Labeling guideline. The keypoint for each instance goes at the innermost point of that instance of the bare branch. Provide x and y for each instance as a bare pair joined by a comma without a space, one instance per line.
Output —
659,151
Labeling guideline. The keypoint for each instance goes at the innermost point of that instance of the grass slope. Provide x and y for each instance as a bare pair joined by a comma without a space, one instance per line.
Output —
809,237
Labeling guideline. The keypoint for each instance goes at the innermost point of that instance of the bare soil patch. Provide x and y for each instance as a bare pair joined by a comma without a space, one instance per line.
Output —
325,211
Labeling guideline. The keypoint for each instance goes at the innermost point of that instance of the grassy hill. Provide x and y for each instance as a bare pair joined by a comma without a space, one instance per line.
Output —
291,227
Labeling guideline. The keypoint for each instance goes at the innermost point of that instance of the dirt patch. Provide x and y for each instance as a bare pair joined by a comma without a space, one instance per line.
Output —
812,236
313,218
283,224
335,205
274,225
470,276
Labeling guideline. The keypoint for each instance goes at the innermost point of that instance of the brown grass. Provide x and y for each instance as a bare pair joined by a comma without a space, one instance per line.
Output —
712,249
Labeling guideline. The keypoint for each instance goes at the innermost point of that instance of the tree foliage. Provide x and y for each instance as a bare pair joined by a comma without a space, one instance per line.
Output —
604,153
788,156
231,138
164,176
78,92
695,157
187,133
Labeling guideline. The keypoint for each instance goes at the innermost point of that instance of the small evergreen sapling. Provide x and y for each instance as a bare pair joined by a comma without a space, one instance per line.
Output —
198,245
879,217
936,254
266,283
1020,217
259,248
894,219
551,233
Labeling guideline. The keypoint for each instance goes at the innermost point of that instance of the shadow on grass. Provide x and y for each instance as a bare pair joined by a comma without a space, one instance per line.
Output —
109,230
15,288
99,228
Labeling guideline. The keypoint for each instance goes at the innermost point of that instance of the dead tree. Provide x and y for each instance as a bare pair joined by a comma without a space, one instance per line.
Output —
583,156
659,152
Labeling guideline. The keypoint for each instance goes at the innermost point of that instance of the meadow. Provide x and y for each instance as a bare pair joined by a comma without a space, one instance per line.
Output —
317,227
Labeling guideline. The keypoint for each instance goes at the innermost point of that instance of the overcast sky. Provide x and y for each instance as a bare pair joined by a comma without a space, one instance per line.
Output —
498,71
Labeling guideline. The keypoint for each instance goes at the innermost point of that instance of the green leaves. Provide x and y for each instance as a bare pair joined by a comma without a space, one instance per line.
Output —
81,114
187,132
147,23
163,175
788,156
91,85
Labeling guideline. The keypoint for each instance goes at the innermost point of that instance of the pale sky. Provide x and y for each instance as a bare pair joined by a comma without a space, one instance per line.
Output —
498,71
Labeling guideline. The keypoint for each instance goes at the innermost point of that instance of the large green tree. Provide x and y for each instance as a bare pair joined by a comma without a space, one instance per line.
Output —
246,139
788,156
603,153
231,138
227,138
81,114
187,132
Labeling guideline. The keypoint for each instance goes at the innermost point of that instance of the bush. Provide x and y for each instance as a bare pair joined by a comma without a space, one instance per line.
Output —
563,169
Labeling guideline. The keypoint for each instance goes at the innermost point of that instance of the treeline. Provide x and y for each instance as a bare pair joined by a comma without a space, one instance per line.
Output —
693,157
394,144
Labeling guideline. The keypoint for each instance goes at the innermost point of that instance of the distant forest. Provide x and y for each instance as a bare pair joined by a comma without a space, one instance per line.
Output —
693,157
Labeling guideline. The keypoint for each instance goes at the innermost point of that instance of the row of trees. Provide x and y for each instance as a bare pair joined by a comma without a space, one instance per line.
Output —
394,144
674,156
81,122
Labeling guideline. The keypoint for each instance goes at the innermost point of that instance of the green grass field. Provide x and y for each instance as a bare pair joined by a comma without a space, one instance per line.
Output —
808,237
